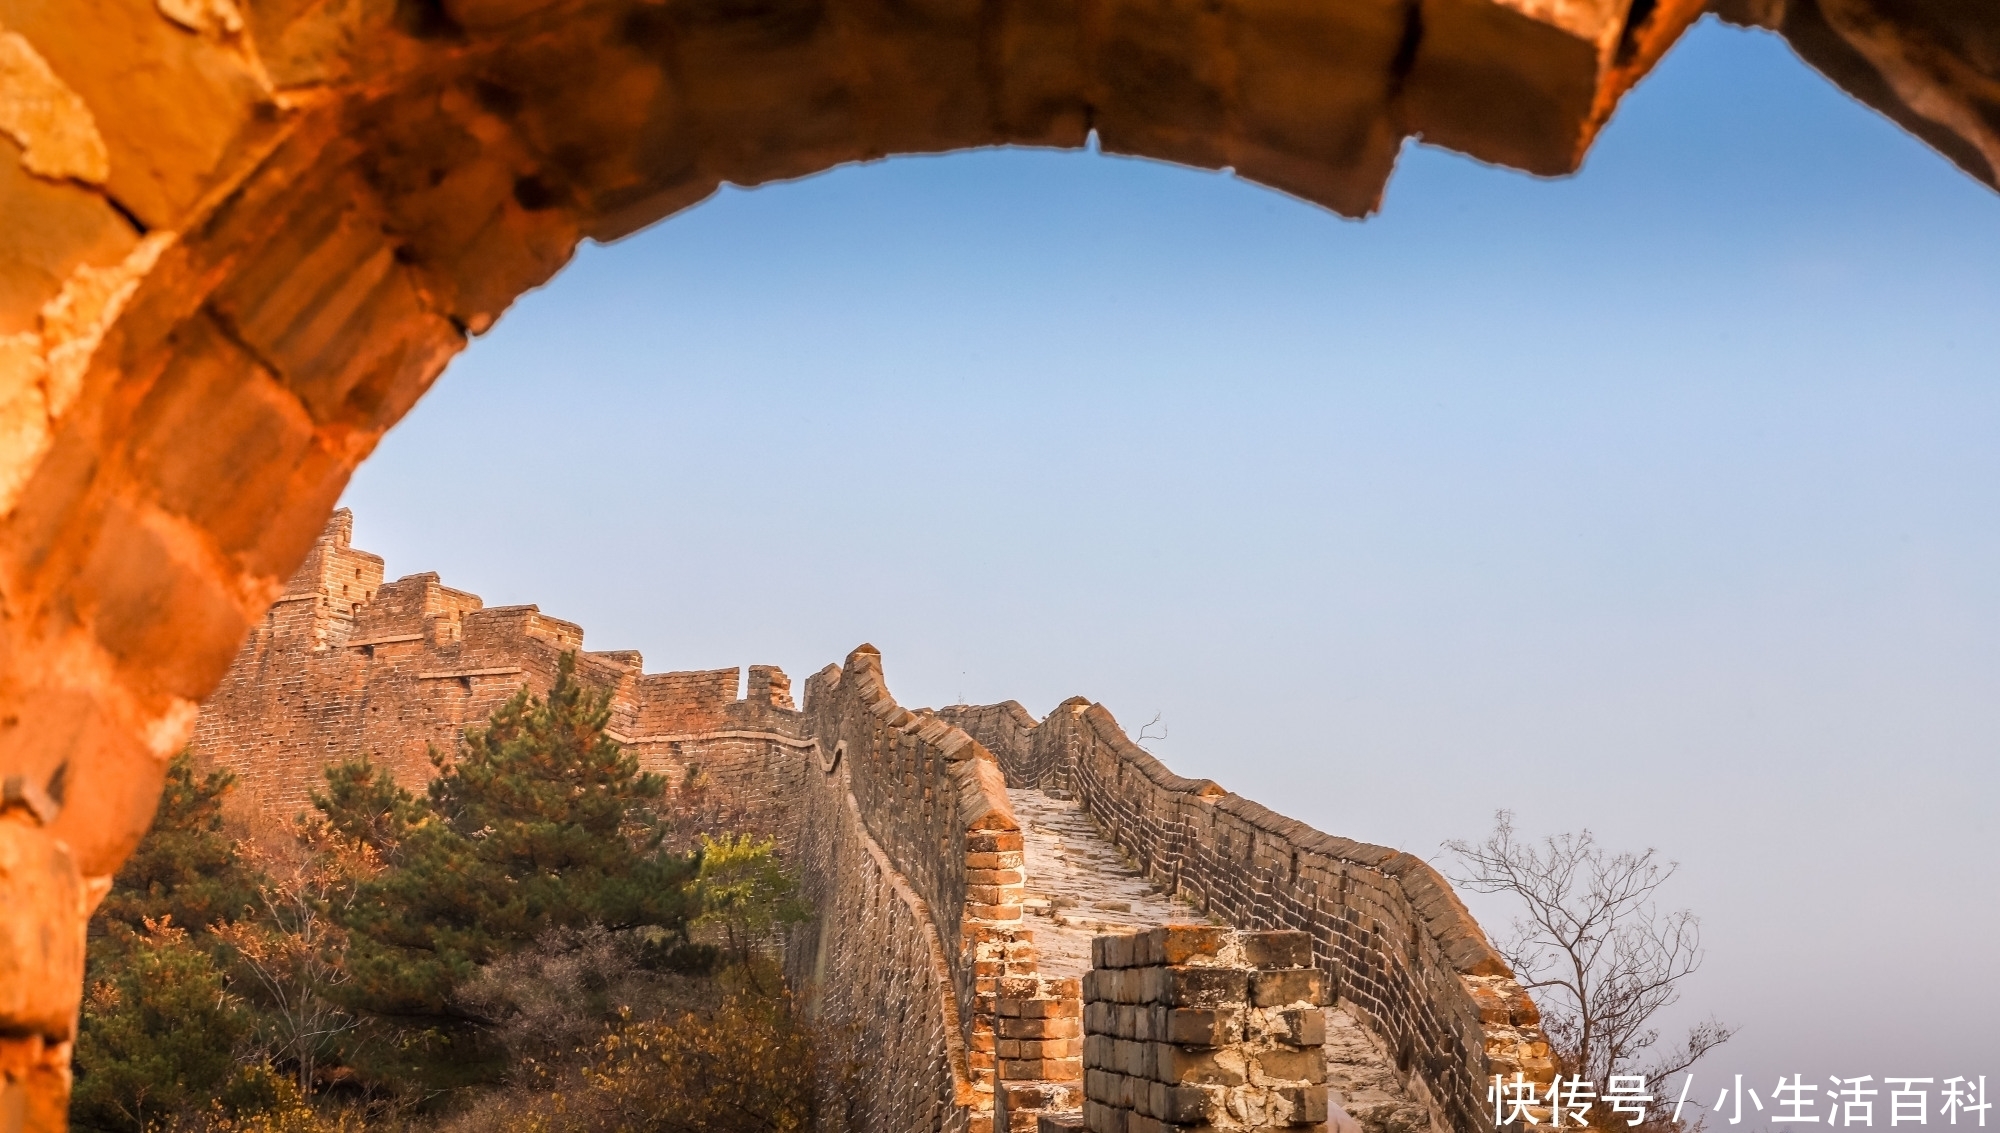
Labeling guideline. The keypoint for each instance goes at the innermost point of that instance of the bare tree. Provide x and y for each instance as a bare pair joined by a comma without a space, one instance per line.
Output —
1594,946
294,949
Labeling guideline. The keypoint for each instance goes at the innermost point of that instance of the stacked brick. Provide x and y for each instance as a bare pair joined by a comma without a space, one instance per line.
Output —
1037,1035
1026,1042
1197,1028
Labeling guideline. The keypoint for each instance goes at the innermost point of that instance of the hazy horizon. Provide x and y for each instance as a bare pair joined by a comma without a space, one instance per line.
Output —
1663,500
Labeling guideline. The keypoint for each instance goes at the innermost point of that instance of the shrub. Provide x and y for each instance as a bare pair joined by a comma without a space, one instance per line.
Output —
161,1038
749,1066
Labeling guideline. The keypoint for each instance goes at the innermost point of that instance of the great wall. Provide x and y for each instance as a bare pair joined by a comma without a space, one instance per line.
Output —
960,862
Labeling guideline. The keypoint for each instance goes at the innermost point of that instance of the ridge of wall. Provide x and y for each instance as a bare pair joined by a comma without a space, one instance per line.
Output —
897,824
935,800
1401,951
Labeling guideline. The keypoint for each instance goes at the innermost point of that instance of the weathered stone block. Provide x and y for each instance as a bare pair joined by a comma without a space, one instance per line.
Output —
1189,1026
993,912
1278,989
41,971
1183,1104
993,841
1305,1026
1288,1064
1113,951
1277,949
1301,1105
1197,1065
1179,944
1195,987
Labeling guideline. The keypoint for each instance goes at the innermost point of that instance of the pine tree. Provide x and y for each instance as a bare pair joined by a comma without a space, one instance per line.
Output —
539,821
160,1036
158,1025
186,868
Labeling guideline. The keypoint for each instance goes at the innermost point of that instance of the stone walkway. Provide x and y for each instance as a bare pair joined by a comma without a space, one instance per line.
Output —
1079,885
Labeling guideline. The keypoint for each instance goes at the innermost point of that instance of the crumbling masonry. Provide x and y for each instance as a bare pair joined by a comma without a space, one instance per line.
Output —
1017,921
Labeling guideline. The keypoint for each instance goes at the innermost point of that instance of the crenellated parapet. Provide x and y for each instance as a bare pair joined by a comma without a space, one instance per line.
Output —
345,664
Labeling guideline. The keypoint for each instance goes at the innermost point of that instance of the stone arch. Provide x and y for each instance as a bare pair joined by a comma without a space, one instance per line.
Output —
238,240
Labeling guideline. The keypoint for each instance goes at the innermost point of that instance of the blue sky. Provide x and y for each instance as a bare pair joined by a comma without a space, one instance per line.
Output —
1663,499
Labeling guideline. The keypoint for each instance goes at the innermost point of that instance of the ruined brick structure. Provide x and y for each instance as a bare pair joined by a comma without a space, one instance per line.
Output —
944,945
344,664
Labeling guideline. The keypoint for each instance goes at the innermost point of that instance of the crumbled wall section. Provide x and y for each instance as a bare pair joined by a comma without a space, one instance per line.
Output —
1400,950
1199,1029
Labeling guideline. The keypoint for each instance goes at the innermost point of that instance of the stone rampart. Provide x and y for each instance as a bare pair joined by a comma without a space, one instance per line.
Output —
873,970
896,824
1400,950
899,826
936,802
346,665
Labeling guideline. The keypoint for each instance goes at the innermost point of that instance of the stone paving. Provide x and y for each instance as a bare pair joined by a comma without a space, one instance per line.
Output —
1079,885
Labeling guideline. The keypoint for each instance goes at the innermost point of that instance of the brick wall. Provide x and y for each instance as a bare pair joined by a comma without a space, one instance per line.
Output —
897,824
1400,951
935,800
873,970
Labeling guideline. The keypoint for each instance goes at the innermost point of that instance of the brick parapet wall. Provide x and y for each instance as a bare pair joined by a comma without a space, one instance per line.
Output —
874,971
1401,951
935,800
1006,730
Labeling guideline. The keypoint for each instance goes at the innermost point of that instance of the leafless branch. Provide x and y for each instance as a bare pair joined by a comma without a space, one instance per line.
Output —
1594,946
